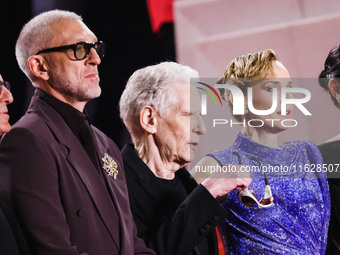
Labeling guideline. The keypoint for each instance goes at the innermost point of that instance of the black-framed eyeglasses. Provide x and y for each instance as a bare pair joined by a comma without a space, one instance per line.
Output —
80,50
6,85
248,197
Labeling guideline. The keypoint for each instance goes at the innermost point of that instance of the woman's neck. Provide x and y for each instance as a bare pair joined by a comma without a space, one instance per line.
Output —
261,136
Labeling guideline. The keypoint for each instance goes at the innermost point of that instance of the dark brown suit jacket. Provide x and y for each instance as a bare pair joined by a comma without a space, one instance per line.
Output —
57,193
12,240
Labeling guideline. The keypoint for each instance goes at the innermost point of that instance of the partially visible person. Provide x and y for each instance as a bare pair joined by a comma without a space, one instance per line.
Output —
329,79
173,214
6,98
64,177
292,216
12,241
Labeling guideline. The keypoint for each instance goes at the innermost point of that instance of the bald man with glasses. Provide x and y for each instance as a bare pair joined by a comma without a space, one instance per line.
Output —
64,177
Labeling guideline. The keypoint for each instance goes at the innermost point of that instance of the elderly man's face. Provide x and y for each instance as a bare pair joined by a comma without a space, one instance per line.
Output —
76,80
178,134
5,99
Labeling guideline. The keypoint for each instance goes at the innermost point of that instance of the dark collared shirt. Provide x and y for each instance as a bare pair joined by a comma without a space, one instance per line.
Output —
73,118
76,121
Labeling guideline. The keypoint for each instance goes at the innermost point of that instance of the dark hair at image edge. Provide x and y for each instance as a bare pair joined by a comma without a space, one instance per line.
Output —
331,71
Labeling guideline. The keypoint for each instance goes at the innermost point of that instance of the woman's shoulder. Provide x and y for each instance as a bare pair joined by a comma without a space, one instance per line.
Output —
227,152
310,148
223,152
226,155
301,144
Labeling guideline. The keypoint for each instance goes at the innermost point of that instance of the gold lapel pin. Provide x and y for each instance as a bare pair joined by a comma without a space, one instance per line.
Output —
110,166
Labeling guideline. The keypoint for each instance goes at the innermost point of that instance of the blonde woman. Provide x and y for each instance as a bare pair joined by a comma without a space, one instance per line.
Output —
292,216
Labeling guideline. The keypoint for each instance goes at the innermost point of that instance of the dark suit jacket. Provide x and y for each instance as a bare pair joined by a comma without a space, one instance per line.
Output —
174,232
12,241
331,155
58,194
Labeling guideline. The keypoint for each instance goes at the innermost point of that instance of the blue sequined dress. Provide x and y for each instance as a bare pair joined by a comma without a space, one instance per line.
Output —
297,223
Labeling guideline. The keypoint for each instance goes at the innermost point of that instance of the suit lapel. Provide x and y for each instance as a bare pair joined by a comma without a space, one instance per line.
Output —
117,187
96,187
186,178
144,174
81,164
114,185
141,170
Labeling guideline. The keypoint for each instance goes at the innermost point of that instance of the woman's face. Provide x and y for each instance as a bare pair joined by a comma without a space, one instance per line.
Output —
5,99
262,99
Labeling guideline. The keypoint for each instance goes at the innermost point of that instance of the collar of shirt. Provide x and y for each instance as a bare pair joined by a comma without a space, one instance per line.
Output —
73,118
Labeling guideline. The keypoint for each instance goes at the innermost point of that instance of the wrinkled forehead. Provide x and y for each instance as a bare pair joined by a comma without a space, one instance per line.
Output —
183,93
71,31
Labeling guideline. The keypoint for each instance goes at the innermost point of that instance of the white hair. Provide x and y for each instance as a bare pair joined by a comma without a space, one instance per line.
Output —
151,86
36,35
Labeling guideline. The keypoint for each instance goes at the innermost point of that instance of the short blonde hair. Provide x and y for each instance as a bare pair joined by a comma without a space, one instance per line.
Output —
36,35
246,70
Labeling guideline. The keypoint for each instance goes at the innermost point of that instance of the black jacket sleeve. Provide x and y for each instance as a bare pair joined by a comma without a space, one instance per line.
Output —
194,220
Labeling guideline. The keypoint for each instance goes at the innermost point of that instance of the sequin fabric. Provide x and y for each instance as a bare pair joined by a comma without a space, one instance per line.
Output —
297,223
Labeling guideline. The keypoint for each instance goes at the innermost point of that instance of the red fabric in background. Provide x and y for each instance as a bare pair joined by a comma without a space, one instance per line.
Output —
160,11
220,244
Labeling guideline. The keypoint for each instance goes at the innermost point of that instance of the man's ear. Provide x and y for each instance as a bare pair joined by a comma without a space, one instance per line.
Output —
148,120
334,88
38,67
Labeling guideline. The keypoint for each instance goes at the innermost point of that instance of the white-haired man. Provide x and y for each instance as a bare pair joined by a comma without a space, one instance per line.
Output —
173,214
